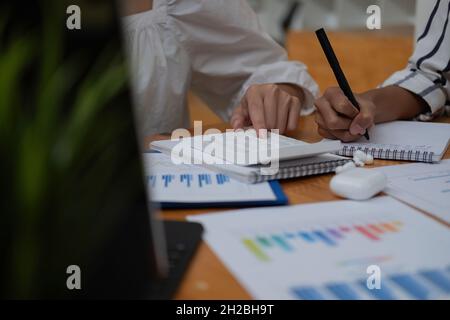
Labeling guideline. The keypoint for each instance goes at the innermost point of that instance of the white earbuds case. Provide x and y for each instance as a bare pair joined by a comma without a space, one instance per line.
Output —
358,183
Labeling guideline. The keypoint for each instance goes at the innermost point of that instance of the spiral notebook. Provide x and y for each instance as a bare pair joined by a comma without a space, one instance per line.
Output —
292,168
403,140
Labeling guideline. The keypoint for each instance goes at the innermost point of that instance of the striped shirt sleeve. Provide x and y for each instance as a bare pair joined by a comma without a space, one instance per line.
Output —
428,70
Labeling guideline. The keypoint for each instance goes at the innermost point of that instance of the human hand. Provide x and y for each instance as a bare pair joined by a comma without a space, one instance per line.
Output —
337,118
269,106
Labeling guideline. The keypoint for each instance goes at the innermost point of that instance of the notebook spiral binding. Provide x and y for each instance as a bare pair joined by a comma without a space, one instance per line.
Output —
302,170
394,154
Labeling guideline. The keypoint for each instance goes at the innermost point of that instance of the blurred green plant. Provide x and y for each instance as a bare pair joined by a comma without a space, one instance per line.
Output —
43,135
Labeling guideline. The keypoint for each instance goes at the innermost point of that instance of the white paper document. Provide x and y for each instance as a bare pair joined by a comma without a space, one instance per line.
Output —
181,183
325,250
424,186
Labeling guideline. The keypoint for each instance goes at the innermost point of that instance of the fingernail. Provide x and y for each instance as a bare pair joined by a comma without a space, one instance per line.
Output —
356,129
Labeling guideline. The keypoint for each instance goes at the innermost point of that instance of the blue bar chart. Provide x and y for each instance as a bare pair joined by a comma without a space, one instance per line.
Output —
422,285
201,180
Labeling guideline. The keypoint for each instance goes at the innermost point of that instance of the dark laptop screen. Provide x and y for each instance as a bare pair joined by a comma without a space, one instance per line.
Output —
72,186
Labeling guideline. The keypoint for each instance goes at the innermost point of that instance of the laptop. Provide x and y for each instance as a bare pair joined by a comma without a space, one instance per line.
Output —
76,219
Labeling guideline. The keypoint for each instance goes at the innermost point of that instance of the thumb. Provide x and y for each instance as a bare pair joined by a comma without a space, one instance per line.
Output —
363,120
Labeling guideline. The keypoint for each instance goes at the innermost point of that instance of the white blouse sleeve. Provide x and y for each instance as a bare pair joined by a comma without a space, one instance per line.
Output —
230,52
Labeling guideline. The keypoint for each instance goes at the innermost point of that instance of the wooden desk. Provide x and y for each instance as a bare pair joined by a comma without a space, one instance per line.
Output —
207,277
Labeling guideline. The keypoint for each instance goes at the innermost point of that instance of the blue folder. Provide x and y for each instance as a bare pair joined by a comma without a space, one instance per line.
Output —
280,200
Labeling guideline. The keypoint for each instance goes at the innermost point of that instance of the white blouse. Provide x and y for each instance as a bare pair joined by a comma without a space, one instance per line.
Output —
214,47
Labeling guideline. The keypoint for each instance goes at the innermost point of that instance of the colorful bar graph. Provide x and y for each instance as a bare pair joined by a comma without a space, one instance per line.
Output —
329,236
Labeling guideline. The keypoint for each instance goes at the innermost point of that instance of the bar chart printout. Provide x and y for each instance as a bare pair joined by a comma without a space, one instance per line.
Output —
168,182
322,251
330,236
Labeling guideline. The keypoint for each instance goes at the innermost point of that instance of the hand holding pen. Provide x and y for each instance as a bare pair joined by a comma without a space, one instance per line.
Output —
340,114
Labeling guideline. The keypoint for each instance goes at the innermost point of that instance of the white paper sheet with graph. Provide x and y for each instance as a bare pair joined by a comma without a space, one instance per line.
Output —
168,182
322,251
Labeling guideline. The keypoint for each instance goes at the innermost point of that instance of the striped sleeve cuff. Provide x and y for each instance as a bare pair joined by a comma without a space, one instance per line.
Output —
416,82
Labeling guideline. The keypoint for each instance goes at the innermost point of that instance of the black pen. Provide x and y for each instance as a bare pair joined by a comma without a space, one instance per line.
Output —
338,73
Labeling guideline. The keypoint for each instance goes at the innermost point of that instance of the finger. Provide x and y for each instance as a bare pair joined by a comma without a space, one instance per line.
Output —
363,120
237,119
284,105
256,112
319,120
344,135
325,133
340,102
294,114
271,103
331,119
344,107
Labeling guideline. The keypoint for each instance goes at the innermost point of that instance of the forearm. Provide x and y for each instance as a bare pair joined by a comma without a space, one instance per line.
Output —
395,103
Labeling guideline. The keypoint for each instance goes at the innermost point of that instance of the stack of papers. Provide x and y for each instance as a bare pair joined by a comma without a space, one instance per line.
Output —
253,160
